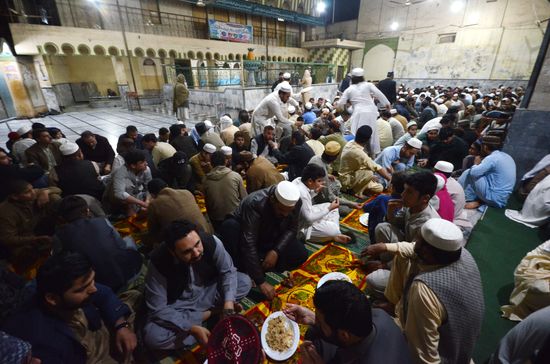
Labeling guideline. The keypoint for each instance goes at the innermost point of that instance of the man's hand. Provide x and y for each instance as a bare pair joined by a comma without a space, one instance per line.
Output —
125,341
331,177
334,205
201,334
299,314
309,354
374,250
422,162
270,260
42,198
107,169
268,290
477,159
272,144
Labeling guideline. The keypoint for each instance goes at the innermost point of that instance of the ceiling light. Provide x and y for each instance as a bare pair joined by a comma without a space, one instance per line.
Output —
280,19
321,7
394,26
200,3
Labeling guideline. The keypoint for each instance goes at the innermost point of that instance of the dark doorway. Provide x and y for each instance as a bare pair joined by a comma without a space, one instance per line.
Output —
184,66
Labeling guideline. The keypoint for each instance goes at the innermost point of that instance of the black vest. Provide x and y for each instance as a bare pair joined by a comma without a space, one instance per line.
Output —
176,272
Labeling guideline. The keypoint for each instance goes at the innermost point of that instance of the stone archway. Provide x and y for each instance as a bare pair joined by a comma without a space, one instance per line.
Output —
378,61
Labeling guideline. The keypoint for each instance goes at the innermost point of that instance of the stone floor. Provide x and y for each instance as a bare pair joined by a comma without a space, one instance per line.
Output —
109,123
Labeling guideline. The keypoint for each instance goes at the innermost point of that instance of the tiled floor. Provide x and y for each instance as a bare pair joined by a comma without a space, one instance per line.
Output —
109,123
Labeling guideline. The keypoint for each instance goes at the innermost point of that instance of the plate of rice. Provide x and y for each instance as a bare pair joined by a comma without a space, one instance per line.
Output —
280,336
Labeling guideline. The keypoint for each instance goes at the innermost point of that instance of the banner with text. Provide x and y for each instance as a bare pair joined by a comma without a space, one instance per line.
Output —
230,31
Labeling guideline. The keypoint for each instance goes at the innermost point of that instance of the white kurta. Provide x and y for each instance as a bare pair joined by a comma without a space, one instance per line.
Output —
365,111
536,209
317,222
271,106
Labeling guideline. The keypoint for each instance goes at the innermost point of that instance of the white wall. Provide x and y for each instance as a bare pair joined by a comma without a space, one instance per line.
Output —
496,40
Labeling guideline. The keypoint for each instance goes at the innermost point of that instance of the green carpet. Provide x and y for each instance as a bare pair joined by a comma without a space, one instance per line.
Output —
498,244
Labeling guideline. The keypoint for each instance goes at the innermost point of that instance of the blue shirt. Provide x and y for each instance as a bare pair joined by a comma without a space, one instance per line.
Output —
309,116
499,171
391,154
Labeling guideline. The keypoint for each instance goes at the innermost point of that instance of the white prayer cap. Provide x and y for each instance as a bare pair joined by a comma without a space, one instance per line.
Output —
308,105
439,100
357,72
444,167
286,76
432,87
478,101
287,193
415,143
434,127
69,148
455,95
209,148
442,234
291,109
226,150
329,105
411,123
440,183
285,87
325,110
226,121
393,111
491,95
403,100
422,94
24,130
208,124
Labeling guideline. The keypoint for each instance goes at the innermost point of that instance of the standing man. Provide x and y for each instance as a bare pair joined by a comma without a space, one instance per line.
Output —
365,112
189,276
440,318
389,88
181,99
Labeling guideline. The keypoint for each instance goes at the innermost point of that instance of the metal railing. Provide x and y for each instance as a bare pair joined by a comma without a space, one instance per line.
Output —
105,16
322,36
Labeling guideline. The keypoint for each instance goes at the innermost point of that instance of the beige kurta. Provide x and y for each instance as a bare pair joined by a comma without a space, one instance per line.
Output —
532,284
357,170
425,313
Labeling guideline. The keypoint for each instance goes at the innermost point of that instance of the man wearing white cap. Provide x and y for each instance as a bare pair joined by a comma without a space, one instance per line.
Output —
201,163
228,130
365,111
453,187
223,189
273,105
397,129
412,128
261,234
435,286
396,158
77,175
228,153
24,143
308,115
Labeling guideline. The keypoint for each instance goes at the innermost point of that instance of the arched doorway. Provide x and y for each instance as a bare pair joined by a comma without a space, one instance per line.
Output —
378,61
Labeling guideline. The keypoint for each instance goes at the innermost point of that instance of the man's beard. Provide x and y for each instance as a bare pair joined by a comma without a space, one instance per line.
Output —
332,339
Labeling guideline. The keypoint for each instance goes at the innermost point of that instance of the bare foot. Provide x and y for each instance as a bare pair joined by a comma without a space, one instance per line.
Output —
343,239
472,205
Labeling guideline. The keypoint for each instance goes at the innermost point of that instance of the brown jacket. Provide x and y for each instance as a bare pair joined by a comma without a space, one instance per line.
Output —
18,221
181,94
36,155
170,205
261,174
224,190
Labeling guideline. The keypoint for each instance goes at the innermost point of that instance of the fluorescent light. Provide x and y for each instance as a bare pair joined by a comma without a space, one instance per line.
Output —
394,25
200,3
280,19
457,5
321,7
